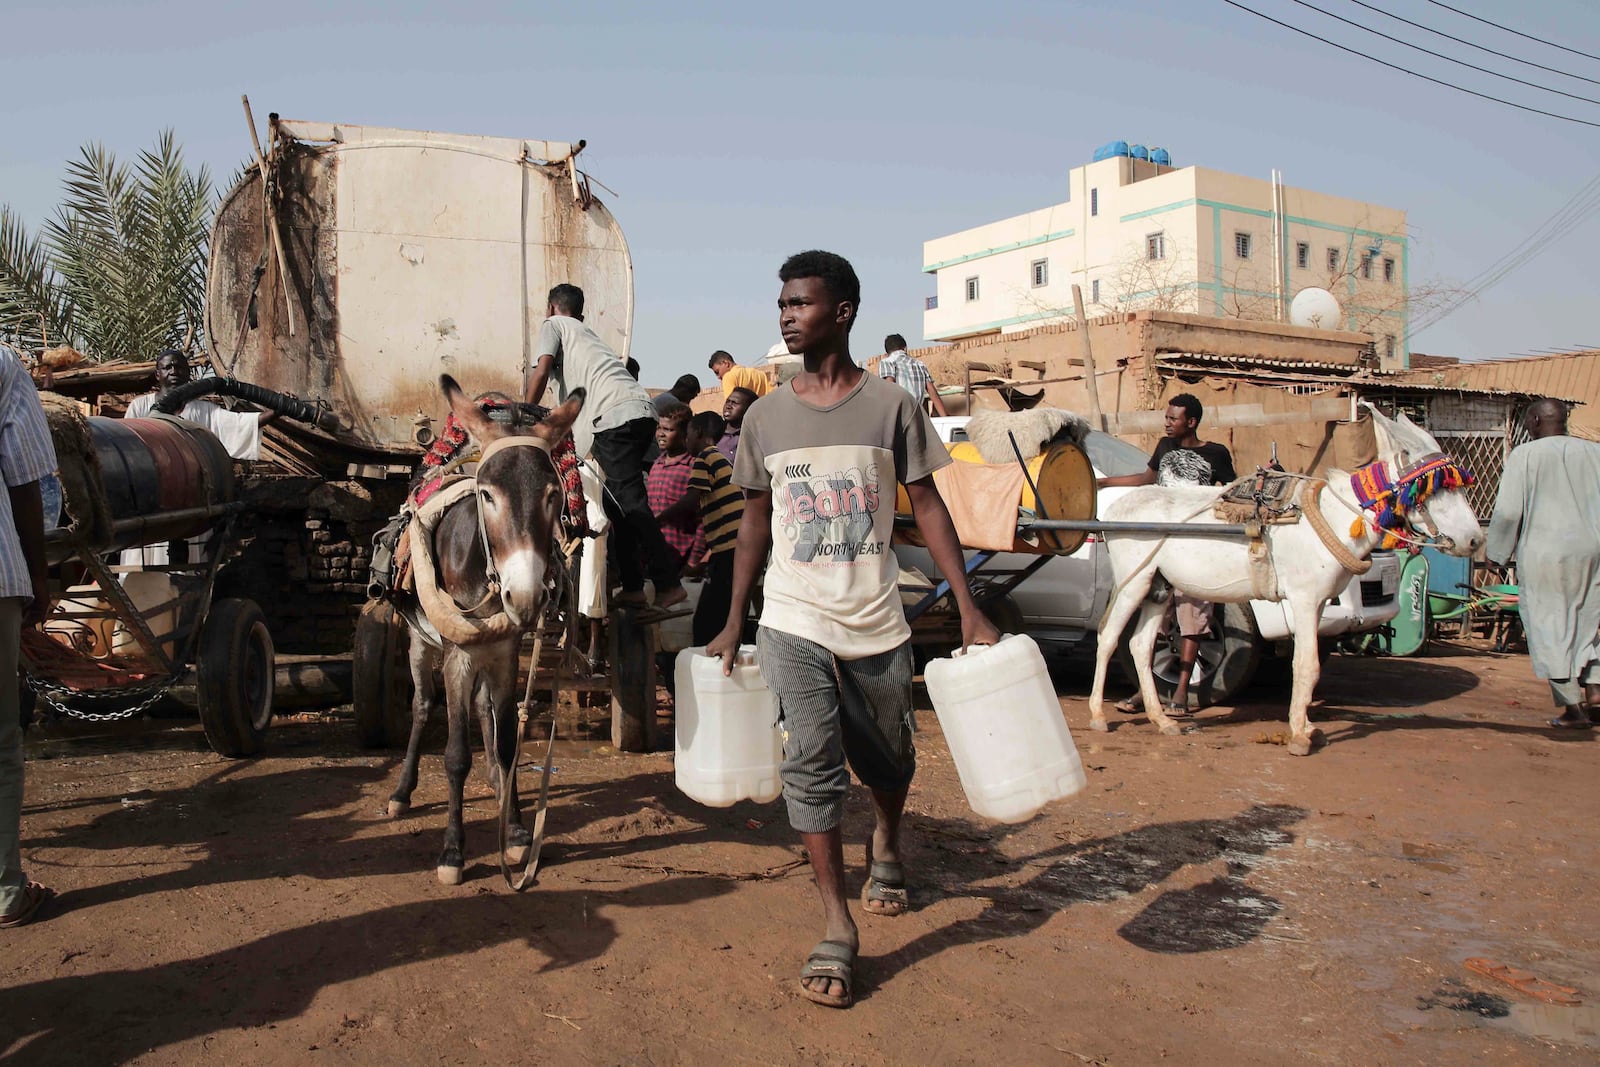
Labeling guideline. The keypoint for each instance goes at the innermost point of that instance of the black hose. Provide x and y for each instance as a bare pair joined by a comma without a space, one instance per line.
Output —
171,401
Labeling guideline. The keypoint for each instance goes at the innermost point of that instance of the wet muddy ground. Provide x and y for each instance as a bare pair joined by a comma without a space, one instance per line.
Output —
1208,898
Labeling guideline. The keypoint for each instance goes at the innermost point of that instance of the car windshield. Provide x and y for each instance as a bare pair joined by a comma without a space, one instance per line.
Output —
1113,456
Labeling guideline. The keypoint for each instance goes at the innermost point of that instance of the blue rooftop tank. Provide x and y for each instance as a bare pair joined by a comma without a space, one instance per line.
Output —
1110,150
1139,151
1160,157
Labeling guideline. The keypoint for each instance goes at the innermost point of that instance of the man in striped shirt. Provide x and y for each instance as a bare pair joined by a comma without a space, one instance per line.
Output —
721,506
26,455
908,372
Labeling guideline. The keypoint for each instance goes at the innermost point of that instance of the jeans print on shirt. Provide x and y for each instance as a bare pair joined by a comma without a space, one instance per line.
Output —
829,518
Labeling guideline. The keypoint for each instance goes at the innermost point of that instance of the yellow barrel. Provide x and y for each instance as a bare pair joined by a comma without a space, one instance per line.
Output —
1066,490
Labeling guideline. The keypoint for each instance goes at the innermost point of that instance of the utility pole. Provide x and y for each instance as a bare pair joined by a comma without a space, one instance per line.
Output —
1097,418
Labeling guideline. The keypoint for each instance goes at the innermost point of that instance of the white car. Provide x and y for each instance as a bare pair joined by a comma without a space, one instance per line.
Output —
1061,604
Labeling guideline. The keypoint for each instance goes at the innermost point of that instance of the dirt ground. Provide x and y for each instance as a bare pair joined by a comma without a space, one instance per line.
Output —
1208,899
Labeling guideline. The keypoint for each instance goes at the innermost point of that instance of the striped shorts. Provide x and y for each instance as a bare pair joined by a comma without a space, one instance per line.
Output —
836,711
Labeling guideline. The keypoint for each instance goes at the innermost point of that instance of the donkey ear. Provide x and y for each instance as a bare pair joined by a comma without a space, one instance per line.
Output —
559,422
482,428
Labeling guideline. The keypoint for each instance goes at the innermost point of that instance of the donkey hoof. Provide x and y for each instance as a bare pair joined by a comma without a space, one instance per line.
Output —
1303,746
398,808
516,855
1099,725
448,875
1172,729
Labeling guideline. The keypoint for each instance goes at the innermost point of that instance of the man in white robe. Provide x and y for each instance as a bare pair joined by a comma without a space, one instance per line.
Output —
1547,517
239,432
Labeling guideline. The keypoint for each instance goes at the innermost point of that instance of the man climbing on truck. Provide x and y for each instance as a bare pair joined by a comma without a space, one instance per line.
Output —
617,426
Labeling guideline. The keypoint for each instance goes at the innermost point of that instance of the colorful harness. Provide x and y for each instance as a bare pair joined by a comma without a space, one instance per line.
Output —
1391,499
449,444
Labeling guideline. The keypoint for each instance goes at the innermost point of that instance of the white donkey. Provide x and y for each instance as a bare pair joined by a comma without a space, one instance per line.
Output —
1301,566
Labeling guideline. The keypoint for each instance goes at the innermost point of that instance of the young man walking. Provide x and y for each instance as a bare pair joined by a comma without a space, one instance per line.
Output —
819,461
1181,458
617,426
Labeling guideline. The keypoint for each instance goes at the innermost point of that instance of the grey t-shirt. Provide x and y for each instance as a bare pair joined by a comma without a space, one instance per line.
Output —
832,472
584,361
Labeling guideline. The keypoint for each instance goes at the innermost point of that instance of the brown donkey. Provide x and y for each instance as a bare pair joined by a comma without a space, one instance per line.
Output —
492,550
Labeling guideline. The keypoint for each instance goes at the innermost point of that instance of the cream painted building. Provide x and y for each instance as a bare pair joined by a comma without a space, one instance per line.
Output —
1137,234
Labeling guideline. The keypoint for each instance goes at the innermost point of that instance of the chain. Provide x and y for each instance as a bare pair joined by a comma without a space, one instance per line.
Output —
156,690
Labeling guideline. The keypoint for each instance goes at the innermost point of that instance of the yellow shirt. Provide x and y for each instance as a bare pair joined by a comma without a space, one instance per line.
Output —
745,378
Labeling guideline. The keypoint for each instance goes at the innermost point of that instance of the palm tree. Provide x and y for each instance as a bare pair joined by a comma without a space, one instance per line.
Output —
119,271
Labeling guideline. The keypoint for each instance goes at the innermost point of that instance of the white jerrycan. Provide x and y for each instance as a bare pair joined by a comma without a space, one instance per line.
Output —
1000,714
726,742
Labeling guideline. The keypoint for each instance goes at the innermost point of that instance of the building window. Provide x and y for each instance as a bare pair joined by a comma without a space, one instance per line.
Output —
1388,270
972,289
1241,245
1094,201
1040,269
932,303
1366,267
1155,246
1094,291
1302,255
1388,348
1333,261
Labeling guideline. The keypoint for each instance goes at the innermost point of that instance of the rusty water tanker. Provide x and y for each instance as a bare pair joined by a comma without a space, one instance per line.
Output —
379,258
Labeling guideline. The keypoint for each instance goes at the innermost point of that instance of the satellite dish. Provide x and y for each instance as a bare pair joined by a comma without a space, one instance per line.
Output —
1317,309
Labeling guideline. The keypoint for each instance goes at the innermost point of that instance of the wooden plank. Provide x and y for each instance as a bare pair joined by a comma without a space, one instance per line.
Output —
633,682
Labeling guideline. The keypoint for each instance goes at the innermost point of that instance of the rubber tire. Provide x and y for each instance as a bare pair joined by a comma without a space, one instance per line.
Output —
380,671
1231,657
1006,615
234,676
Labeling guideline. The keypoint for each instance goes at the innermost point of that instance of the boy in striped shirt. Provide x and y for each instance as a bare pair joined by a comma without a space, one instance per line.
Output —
721,506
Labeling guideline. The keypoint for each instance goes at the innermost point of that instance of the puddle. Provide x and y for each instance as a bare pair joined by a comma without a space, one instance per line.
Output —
1427,856
1552,1022
1220,914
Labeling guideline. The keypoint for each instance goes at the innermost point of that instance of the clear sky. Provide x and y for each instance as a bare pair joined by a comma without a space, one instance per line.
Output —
736,133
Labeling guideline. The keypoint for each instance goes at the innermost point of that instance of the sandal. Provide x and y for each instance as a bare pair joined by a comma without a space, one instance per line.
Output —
1132,706
886,888
34,897
1568,721
835,960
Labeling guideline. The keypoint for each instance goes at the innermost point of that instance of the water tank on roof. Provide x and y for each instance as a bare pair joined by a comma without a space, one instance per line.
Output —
1161,157
1139,151
1110,150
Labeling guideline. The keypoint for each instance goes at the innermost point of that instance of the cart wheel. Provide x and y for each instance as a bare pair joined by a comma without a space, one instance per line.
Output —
633,682
381,671
234,677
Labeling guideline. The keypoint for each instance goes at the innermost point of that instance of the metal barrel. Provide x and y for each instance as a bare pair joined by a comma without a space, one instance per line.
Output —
168,472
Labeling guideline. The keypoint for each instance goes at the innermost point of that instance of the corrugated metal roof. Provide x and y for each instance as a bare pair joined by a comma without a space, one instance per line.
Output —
1574,376
1307,372
1253,362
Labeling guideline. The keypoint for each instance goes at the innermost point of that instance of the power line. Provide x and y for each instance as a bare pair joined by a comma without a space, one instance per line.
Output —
1441,55
1413,73
1578,207
1508,29
1471,44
